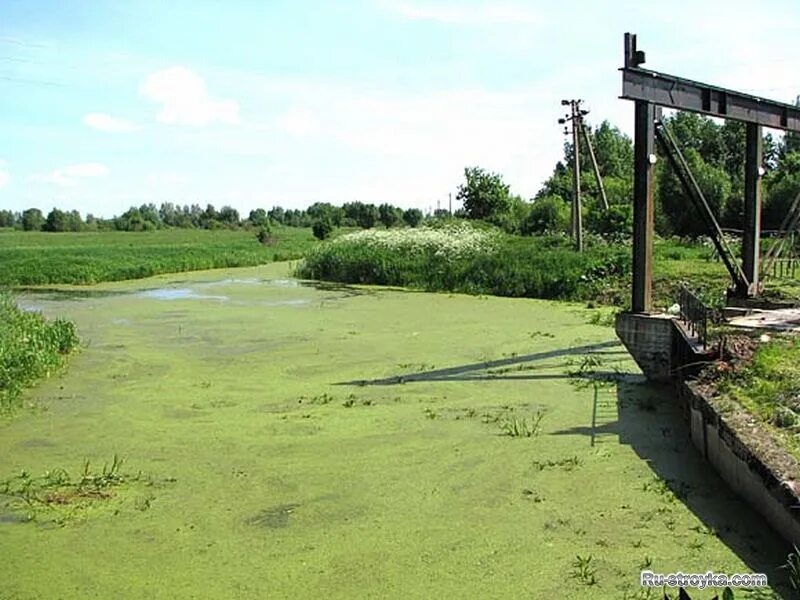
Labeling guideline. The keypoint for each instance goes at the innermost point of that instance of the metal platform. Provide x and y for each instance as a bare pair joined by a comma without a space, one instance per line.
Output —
783,319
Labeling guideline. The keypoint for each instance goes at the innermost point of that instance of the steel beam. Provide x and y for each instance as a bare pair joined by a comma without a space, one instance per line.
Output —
684,94
643,208
751,239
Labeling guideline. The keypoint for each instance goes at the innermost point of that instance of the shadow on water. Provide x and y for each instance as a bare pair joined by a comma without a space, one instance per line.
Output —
473,371
347,291
649,419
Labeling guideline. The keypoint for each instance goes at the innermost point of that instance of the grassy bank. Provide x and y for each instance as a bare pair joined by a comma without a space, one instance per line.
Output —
474,261
30,258
768,386
30,348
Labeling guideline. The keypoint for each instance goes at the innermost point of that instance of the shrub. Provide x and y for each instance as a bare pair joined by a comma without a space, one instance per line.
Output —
264,234
467,259
547,215
322,229
30,348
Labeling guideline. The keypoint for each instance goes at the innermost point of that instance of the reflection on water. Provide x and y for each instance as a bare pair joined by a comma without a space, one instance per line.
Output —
36,299
178,294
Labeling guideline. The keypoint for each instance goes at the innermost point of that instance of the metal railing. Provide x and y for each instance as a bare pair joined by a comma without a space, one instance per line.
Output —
784,268
694,314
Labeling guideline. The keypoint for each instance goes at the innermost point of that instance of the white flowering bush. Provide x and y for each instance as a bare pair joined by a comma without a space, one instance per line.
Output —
467,259
452,243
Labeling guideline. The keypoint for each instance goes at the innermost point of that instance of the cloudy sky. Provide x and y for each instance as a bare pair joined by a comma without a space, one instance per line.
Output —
108,103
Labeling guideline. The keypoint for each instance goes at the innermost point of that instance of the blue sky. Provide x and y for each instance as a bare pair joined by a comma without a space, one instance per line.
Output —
104,104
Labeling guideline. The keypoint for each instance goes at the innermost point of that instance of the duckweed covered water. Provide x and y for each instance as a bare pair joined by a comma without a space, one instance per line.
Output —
300,441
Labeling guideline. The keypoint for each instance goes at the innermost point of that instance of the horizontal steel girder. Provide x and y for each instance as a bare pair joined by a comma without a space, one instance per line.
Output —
683,94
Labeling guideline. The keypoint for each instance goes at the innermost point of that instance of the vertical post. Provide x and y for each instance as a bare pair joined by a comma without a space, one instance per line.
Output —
577,218
751,239
643,208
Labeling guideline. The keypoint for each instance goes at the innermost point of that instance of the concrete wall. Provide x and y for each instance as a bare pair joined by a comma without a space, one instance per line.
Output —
649,339
741,468
661,349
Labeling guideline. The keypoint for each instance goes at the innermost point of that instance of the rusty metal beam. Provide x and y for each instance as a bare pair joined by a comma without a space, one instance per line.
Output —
643,208
684,94
751,239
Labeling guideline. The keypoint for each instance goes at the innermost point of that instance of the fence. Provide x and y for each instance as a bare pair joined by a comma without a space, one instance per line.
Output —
694,315
783,268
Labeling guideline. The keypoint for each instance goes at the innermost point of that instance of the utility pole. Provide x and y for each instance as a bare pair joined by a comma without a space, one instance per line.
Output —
598,178
577,220
579,128
450,202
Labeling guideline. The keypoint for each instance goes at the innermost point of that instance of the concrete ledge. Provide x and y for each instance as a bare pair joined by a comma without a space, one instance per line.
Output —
770,488
649,339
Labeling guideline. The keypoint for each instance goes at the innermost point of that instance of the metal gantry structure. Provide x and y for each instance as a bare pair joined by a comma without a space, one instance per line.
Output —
652,90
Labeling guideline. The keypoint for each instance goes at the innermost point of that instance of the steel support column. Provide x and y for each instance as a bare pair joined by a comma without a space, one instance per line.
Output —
643,207
751,240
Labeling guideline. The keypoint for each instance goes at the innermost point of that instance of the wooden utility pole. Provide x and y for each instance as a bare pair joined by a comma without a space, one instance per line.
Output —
577,217
575,117
595,166
578,128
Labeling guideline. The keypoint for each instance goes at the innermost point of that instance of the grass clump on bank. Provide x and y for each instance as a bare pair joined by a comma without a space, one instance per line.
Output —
30,348
466,259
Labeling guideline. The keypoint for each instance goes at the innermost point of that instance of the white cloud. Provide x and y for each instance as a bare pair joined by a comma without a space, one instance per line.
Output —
107,123
185,100
459,14
298,122
71,175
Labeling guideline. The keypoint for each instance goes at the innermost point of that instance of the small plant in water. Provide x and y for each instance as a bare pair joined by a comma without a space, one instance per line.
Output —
532,495
565,464
583,571
55,488
522,427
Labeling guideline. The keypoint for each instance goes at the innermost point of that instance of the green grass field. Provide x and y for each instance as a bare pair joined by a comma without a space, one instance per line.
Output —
32,258
283,440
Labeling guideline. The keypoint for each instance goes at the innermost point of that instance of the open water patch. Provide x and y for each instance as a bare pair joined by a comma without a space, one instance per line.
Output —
178,294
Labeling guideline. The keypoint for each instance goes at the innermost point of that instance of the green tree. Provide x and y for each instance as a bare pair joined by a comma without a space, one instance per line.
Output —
389,215
367,216
228,216
7,218
209,217
681,216
484,194
258,217
169,214
57,220
322,228
412,217
277,214
614,152
549,214
32,219
780,189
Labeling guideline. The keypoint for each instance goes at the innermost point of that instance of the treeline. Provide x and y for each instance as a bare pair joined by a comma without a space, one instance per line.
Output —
715,152
149,217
